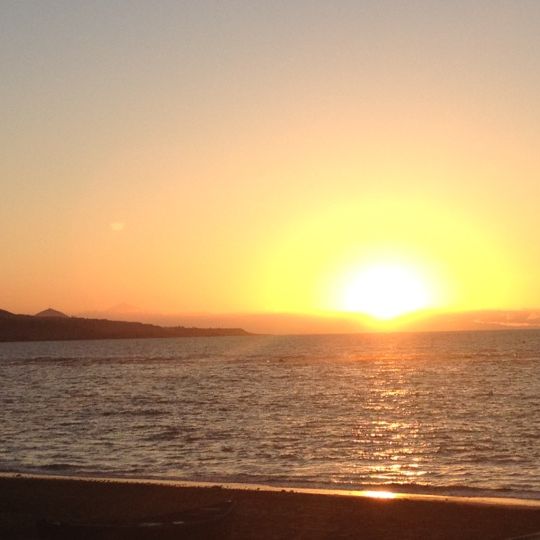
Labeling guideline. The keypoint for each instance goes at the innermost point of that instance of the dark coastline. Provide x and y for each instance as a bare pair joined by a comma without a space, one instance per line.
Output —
32,328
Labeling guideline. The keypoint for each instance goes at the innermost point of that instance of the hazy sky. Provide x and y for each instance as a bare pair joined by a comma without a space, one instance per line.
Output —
250,156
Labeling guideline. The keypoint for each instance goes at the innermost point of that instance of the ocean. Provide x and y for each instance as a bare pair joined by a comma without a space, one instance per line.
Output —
449,413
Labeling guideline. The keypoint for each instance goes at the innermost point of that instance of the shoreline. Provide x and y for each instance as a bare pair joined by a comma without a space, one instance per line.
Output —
371,491
262,512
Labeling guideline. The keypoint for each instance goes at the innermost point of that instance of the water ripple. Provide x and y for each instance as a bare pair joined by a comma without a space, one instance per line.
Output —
439,411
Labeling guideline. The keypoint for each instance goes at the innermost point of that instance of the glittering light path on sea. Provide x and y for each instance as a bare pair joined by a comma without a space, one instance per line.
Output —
444,414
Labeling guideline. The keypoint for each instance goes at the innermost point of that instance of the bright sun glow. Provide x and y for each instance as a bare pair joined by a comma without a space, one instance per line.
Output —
385,291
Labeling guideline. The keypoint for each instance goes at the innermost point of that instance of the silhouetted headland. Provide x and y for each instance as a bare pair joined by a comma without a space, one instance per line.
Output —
52,325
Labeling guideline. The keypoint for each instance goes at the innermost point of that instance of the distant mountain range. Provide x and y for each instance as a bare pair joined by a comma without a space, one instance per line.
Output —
52,325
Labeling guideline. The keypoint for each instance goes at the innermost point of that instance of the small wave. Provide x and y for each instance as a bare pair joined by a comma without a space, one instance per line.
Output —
135,412
168,434
61,467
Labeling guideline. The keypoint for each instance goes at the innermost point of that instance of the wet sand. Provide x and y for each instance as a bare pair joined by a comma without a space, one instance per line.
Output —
261,513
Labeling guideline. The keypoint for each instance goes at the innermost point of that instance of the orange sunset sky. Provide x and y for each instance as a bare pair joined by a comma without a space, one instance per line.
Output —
294,157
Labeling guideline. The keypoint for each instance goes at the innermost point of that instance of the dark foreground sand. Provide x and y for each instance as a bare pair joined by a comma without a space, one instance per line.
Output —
260,514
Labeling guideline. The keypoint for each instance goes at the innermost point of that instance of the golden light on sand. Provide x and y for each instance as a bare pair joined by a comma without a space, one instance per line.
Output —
387,290
379,494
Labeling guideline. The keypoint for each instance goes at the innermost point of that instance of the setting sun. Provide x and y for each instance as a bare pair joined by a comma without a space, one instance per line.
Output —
387,290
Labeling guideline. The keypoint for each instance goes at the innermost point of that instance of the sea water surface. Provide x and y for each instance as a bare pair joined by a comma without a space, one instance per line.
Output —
455,413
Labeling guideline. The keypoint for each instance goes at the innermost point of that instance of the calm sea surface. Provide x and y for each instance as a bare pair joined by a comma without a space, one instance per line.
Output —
447,412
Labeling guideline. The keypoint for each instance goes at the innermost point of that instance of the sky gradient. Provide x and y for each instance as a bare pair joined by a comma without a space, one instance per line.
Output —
253,157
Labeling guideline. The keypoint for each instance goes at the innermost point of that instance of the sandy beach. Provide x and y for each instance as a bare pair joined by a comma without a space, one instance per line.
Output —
261,513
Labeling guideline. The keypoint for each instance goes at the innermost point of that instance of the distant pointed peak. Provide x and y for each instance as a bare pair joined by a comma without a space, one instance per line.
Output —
51,313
